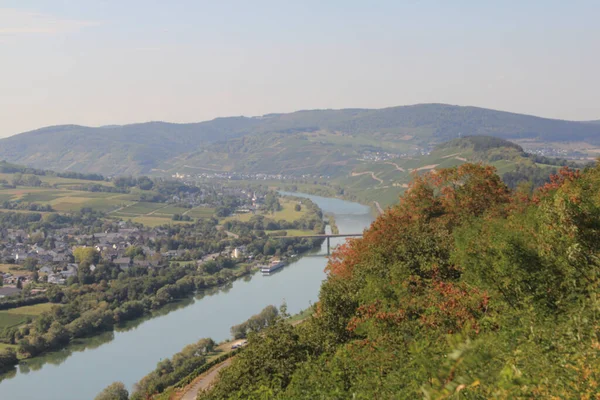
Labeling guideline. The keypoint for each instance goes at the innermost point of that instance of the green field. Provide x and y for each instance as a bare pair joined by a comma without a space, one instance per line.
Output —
60,182
64,200
170,211
155,214
8,320
287,212
8,268
6,346
19,315
153,221
33,310
201,212
141,208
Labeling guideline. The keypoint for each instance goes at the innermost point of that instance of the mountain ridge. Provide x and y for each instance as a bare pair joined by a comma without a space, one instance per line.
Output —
147,146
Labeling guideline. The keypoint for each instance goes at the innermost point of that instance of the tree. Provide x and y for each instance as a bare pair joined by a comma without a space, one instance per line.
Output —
86,255
297,207
30,263
115,391
8,359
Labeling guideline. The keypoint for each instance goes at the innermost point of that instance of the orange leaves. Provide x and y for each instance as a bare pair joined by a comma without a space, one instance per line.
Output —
563,176
435,202
467,190
447,306
344,257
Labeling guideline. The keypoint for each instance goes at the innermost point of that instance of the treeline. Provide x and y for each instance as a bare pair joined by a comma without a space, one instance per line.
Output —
262,223
97,187
481,143
8,168
312,220
12,302
166,187
556,161
87,309
20,205
255,323
463,289
26,180
171,370
331,222
125,182
8,359
531,174
86,220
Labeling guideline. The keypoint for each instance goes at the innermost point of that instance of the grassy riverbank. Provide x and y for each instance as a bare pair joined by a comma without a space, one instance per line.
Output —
220,353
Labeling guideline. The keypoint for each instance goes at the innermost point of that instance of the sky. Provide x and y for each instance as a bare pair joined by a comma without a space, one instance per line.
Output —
103,62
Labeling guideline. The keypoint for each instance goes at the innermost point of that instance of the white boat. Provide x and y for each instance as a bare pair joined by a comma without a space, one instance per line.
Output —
274,266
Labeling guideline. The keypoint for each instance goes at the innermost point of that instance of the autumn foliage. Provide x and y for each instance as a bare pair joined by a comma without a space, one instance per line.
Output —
464,289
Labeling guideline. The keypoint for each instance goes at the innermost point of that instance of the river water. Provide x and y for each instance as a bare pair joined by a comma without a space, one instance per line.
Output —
83,369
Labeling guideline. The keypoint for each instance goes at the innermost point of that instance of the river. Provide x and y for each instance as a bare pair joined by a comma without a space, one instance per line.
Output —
83,369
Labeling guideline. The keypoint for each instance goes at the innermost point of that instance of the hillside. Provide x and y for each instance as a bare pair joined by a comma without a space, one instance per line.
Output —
462,290
315,141
384,180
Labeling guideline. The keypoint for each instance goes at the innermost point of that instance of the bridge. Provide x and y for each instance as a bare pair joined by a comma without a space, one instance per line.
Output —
320,236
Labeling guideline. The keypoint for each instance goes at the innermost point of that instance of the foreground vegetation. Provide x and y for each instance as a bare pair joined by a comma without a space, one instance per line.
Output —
465,288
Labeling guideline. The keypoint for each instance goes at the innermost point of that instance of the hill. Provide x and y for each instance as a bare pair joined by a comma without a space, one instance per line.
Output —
384,180
464,289
313,141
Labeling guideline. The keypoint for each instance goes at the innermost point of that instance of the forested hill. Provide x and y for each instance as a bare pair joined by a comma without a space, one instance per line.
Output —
141,148
465,289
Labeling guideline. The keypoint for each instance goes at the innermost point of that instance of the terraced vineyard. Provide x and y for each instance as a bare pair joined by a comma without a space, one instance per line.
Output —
126,206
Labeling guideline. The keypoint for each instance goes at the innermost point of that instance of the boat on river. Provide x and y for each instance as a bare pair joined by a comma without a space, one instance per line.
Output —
273,266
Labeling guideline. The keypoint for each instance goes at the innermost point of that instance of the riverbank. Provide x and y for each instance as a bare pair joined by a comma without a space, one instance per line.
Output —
124,319
189,387
211,313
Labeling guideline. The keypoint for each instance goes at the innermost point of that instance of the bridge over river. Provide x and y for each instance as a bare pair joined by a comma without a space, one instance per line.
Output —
320,236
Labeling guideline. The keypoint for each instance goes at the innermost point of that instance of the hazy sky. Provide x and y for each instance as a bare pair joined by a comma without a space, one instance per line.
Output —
96,62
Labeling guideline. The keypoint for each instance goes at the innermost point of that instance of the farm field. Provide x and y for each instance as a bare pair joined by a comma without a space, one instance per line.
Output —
201,212
170,211
55,180
287,213
140,208
153,221
64,200
13,268
8,320
119,205
17,316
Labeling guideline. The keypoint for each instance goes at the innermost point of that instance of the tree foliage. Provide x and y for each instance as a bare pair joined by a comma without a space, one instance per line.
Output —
115,391
465,289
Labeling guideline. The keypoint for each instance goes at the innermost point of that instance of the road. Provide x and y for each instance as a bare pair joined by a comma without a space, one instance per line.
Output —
204,381
368,173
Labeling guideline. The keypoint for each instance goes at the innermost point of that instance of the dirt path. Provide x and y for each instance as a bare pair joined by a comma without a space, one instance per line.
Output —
451,155
119,209
204,381
399,168
368,172
426,167
158,209
378,207
191,209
